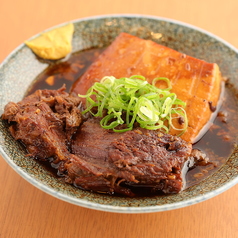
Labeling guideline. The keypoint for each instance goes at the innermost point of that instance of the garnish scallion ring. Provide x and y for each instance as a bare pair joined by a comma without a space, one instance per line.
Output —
127,101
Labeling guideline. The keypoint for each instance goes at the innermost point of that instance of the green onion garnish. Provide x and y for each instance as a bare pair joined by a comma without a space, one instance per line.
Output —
130,100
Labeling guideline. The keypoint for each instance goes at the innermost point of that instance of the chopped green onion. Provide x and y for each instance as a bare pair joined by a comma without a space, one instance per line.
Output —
130,100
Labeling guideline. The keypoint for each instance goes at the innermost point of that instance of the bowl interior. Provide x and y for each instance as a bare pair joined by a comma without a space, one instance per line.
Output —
21,67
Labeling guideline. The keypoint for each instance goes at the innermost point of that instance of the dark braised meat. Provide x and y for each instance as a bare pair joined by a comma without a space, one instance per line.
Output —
118,162
44,122
49,124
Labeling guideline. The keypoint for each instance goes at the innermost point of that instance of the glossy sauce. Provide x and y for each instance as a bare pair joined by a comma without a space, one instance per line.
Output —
66,72
218,142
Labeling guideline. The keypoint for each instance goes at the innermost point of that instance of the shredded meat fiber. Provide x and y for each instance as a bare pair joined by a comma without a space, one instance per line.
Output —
50,125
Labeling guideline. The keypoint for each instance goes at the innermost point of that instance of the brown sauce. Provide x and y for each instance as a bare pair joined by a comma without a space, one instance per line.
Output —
218,142
66,72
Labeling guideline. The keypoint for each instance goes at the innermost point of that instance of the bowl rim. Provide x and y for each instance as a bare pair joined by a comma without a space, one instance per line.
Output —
113,208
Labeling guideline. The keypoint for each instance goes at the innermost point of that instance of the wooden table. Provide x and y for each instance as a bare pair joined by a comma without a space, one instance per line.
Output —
28,212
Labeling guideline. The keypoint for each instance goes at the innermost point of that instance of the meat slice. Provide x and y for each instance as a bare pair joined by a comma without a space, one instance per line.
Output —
112,162
49,124
44,122
195,81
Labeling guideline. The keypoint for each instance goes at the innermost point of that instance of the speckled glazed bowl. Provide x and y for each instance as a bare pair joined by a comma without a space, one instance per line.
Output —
21,67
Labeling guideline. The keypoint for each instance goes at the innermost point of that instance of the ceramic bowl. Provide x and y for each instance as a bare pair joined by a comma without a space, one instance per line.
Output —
21,67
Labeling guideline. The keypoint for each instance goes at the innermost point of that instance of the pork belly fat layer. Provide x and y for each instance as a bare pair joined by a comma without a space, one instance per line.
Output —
195,81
